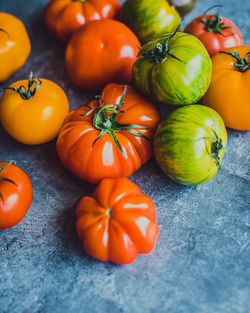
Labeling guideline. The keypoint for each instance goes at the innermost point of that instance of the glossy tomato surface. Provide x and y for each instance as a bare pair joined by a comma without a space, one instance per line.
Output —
64,17
15,194
216,39
179,77
150,19
118,222
189,144
35,120
95,58
228,93
15,45
88,145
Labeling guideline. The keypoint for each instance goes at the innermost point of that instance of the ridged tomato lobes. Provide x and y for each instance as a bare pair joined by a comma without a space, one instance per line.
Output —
87,143
64,17
118,222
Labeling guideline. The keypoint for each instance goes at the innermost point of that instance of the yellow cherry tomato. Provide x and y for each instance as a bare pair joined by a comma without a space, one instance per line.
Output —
14,45
32,111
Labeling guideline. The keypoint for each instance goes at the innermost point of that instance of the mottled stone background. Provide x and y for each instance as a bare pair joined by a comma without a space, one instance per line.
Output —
201,262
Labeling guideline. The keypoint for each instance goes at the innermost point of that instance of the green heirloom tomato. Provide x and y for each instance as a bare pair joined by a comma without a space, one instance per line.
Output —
189,144
150,19
183,6
175,69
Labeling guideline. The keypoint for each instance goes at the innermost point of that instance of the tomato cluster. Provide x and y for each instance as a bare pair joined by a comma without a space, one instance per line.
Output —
118,131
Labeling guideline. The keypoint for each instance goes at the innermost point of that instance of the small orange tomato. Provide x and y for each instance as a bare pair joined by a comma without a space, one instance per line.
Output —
228,93
15,194
118,222
64,17
32,111
14,45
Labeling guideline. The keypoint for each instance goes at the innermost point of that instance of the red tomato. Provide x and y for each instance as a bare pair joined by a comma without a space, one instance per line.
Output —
15,194
215,32
101,52
64,17
118,222
109,137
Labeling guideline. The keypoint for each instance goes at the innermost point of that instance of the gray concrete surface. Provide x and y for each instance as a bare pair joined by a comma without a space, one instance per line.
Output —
201,262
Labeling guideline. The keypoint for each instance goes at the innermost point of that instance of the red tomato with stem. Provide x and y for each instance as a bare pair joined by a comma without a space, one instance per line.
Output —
111,137
118,222
15,194
215,32
64,17
101,52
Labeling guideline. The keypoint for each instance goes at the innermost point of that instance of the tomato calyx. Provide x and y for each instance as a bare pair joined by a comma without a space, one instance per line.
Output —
216,147
161,50
28,93
214,23
4,178
107,123
242,65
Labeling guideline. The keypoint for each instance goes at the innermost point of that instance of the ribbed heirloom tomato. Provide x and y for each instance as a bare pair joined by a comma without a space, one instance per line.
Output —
101,52
215,32
150,19
118,222
64,17
15,194
111,137
32,111
229,93
14,45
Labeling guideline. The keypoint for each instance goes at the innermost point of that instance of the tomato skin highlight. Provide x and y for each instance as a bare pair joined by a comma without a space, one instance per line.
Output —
15,45
228,93
94,58
150,19
16,197
118,222
183,6
36,120
183,144
93,161
171,81
215,42
64,17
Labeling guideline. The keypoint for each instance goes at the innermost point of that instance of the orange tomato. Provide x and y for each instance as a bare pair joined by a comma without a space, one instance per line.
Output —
118,222
64,17
14,45
228,93
111,137
15,194
100,53
32,111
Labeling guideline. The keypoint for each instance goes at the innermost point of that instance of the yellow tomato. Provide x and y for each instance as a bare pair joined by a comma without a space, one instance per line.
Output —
14,45
32,111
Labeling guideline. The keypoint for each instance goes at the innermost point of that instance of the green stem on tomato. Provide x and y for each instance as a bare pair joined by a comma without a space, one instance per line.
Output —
107,123
242,65
28,93
4,178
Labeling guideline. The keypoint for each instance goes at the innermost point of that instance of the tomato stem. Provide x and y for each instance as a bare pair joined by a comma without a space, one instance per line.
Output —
242,65
216,147
4,178
161,50
28,93
107,123
214,22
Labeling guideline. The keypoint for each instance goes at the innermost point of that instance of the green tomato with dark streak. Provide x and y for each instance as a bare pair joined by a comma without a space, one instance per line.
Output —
150,19
183,6
174,70
189,144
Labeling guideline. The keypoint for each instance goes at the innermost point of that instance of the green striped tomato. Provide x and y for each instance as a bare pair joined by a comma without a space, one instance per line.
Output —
189,144
150,19
175,69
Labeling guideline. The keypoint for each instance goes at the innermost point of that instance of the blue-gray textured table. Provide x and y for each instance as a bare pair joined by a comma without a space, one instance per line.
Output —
201,262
